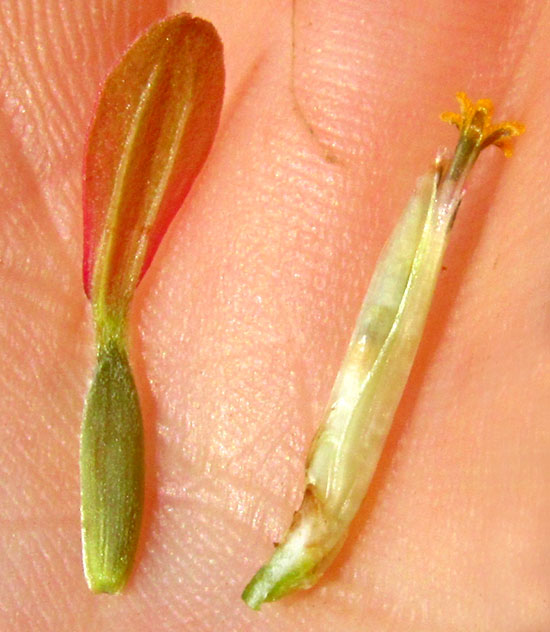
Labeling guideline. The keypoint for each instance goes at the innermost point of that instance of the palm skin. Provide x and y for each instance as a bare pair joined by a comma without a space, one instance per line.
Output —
239,325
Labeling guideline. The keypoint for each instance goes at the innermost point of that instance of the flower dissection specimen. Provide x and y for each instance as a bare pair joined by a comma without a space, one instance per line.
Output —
348,444
154,125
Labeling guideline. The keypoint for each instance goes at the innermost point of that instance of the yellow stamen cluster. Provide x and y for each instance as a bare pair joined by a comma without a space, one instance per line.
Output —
474,123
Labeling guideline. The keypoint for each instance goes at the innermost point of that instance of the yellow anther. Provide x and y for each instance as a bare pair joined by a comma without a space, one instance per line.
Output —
474,124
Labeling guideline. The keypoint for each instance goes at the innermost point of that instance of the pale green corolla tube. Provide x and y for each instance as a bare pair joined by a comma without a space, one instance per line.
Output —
371,380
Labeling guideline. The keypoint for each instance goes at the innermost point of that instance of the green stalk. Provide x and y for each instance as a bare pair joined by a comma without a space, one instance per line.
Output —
111,470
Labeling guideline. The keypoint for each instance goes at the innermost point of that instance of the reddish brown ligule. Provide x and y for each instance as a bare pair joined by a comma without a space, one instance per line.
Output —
154,125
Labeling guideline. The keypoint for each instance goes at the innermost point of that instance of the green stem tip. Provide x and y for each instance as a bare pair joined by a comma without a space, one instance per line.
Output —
111,471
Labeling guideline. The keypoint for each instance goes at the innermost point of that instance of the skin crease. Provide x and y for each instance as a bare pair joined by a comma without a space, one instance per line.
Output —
239,326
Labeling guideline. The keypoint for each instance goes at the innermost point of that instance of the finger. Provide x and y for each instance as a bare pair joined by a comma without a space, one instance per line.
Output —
52,58
288,257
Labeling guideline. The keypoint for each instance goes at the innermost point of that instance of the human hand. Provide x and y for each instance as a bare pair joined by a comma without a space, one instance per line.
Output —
242,320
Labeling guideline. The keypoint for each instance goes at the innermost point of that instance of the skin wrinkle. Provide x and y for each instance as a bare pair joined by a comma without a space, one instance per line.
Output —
455,536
